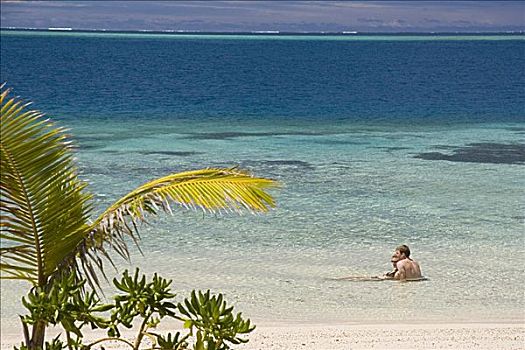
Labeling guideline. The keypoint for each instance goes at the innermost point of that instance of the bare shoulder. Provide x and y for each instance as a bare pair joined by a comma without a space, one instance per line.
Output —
402,263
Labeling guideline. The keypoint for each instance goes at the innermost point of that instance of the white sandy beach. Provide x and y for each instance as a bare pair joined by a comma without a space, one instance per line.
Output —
500,336
387,336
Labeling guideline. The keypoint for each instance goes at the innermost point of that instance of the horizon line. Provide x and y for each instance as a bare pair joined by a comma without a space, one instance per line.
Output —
255,32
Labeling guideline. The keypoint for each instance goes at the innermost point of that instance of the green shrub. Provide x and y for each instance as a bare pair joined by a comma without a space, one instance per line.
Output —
210,323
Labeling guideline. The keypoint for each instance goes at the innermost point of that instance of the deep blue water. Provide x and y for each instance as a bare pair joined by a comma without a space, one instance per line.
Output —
386,81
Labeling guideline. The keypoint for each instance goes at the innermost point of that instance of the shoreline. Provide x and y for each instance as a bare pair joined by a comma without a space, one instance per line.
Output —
503,335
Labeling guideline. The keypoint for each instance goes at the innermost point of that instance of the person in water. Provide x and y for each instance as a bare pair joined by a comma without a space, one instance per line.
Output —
404,268
407,268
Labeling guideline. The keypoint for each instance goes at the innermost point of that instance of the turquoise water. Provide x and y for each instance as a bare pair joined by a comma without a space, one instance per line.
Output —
418,143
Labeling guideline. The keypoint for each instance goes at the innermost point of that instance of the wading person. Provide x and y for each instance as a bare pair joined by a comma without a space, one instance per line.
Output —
407,268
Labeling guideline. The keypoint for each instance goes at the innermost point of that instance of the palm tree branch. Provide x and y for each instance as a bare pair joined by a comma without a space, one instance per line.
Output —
8,157
42,204
212,190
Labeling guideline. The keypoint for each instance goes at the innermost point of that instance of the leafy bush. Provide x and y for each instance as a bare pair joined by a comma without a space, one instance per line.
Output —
211,324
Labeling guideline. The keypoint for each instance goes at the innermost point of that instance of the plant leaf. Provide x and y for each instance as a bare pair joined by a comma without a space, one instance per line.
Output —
212,190
43,205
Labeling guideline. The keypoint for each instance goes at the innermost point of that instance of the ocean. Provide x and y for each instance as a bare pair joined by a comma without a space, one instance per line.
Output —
376,140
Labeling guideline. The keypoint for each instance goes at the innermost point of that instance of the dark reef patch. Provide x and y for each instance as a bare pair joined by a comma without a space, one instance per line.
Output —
445,147
149,153
340,142
515,128
171,153
234,134
486,152
84,147
392,149
80,138
278,163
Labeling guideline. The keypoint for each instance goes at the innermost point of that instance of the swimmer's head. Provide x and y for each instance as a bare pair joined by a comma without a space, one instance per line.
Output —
402,252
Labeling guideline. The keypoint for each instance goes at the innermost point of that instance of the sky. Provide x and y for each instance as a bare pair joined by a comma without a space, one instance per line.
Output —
284,16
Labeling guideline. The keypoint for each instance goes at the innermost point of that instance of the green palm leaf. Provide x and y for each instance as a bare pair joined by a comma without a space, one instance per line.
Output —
43,208
212,190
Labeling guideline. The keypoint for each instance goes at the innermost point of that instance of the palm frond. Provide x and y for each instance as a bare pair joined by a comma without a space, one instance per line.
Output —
43,206
211,190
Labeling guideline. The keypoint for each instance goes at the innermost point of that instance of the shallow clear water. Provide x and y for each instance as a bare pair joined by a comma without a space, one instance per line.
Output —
352,188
